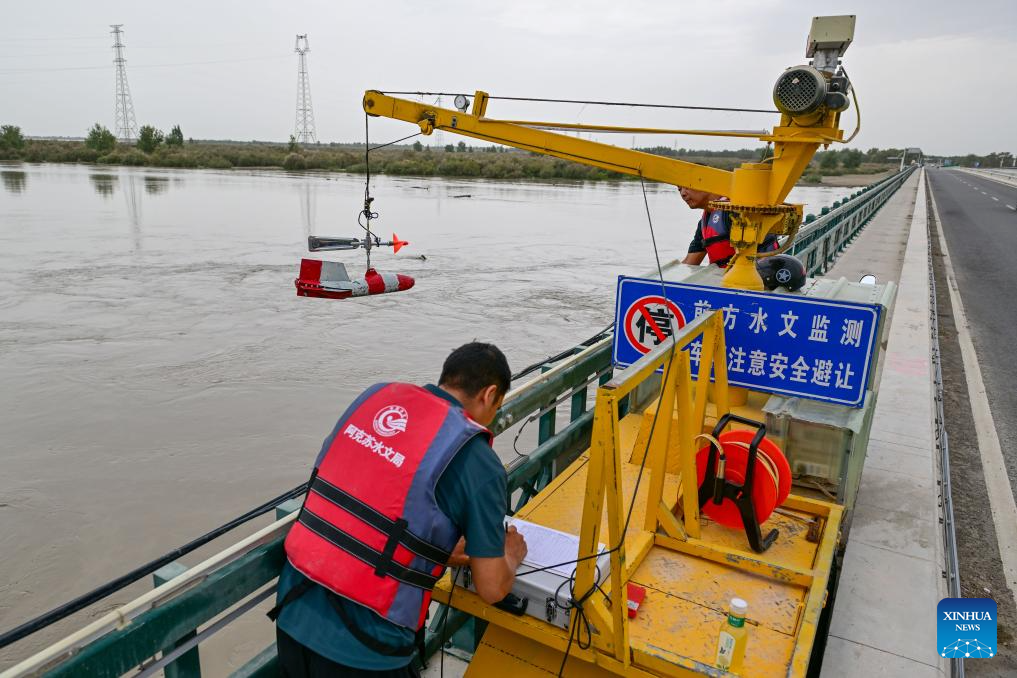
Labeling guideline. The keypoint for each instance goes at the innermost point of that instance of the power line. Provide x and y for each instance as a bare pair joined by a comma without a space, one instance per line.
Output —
137,66
64,50
50,39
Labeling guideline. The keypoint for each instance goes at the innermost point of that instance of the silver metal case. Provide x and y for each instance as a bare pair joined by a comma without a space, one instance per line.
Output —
543,589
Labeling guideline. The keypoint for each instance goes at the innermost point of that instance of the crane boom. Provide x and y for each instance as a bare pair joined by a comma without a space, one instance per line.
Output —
520,135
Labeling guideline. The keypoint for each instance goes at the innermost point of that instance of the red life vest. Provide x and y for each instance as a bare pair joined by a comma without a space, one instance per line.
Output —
370,529
716,238
716,231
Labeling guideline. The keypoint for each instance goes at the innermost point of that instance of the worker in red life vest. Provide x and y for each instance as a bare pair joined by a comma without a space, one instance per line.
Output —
713,232
405,484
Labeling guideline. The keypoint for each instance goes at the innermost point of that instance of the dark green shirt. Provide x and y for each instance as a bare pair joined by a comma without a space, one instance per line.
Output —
472,493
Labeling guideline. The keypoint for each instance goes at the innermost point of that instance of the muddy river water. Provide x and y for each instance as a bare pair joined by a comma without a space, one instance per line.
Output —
159,376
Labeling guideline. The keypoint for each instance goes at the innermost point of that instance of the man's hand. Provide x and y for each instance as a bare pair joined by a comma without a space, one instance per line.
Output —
493,577
459,557
515,547
694,258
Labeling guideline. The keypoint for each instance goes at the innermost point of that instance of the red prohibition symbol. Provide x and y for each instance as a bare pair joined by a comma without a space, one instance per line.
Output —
648,322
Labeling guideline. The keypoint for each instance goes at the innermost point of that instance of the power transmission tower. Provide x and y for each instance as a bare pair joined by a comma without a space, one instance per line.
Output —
305,114
126,125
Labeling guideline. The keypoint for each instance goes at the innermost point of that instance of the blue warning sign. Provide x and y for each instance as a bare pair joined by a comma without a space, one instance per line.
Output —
778,343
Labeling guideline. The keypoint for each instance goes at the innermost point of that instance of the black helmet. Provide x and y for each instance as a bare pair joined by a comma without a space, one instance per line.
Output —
781,270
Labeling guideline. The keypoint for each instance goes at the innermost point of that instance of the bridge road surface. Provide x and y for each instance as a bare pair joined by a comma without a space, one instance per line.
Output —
980,226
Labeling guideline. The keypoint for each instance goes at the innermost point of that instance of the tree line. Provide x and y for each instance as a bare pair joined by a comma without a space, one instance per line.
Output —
156,148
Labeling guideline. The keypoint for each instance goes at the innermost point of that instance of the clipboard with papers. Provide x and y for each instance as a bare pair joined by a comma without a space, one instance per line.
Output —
548,549
543,578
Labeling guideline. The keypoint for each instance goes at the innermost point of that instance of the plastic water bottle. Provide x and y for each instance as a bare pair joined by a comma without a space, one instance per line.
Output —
733,637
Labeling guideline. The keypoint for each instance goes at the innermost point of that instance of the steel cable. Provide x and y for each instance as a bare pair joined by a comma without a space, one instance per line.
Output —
591,103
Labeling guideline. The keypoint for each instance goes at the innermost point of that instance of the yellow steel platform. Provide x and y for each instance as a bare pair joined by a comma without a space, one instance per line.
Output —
689,566
676,629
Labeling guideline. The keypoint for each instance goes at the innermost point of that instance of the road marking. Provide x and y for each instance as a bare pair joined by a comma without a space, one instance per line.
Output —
1012,207
997,481
995,198
983,192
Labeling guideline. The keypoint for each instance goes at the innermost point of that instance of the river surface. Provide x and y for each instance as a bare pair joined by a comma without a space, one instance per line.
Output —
160,376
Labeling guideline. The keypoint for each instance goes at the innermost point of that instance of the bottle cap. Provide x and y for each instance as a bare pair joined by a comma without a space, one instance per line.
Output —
739,607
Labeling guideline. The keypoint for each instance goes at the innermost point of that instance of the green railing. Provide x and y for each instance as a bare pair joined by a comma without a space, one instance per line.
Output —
821,239
168,635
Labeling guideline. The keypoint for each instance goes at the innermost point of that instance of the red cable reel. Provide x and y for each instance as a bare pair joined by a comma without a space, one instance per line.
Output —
731,496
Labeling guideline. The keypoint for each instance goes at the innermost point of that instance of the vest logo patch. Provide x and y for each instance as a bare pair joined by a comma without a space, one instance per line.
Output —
372,444
390,420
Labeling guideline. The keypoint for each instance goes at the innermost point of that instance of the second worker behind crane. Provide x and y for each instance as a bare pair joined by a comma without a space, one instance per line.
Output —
713,232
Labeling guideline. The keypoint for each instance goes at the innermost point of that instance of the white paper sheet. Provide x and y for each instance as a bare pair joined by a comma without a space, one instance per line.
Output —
546,547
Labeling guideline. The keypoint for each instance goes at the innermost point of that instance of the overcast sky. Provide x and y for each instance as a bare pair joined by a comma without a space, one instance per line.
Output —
939,75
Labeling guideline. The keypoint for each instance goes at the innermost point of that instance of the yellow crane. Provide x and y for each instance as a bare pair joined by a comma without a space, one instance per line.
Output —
810,99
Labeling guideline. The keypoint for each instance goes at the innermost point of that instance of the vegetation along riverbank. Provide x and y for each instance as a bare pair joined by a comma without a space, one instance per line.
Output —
847,167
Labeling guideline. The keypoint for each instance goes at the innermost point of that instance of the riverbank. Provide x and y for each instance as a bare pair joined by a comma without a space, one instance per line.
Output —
418,159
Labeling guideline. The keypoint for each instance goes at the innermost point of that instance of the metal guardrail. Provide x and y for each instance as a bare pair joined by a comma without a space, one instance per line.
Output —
1000,176
821,239
952,571
996,172
186,602
174,618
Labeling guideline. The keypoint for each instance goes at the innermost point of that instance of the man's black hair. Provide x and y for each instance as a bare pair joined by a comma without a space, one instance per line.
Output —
475,366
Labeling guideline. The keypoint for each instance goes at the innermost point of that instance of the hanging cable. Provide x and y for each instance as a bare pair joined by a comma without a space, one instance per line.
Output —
367,213
858,111
391,143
